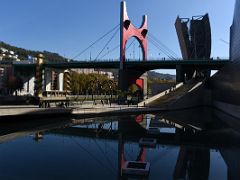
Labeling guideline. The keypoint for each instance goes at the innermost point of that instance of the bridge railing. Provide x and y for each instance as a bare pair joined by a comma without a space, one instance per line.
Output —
108,62
180,59
48,61
150,59
56,93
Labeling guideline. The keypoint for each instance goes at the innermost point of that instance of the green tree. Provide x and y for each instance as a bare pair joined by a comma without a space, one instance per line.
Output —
92,84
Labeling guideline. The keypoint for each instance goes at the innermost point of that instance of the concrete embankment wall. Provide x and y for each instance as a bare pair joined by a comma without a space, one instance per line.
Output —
154,98
17,100
225,87
160,87
231,109
199,95
11,113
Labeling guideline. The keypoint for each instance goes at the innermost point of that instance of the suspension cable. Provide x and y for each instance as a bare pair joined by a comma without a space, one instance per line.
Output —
130,44
113,49
104,154
161,49
163,45
107,43
110,51
83,51
93,156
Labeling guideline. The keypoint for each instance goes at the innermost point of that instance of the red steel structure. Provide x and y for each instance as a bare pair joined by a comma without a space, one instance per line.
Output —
127,31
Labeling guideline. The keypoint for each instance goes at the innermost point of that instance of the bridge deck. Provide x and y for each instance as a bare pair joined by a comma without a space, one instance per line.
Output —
137,65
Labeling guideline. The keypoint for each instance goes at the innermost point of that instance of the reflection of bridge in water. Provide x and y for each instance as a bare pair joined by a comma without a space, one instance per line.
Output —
194,154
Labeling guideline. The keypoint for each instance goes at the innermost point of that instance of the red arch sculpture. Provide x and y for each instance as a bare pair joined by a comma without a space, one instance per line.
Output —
128,30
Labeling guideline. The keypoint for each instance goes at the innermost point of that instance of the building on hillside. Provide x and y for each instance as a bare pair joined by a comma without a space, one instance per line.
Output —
6,54
1,80
3,50
108,74
84,71
94,71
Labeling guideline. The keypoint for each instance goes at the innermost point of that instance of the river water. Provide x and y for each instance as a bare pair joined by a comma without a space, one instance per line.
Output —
191,144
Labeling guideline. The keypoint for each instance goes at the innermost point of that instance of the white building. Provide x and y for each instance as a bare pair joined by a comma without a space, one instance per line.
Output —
4,50
1,78
108,74
84,71
93,71
5,53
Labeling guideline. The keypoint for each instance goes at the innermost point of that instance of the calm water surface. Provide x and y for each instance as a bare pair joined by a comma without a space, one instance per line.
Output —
97,148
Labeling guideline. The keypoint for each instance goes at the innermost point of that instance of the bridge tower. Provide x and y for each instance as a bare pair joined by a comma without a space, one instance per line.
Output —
127,30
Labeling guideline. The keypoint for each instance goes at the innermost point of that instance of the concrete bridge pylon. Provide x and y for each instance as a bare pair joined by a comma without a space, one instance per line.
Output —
50,79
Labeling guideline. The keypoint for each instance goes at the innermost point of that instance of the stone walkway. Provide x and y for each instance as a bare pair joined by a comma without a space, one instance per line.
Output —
90,109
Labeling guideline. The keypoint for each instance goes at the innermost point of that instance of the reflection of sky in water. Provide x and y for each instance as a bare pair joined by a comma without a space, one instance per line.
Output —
106,125
218,168
167,130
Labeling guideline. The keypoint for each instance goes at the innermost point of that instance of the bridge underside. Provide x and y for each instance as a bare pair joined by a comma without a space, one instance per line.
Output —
136,65
130,77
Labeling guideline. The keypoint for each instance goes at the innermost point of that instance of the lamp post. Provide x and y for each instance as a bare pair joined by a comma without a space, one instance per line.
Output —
139,51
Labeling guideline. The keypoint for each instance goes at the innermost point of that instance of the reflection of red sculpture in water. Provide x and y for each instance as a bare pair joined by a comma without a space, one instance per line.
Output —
121,155
141,156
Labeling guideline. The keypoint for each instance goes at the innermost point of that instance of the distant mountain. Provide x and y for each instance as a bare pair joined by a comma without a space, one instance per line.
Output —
156,75
152,75
23,54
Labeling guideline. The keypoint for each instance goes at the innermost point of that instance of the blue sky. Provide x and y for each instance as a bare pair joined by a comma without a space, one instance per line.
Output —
68,26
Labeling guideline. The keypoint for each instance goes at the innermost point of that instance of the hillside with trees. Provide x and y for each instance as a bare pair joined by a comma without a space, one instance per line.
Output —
23,54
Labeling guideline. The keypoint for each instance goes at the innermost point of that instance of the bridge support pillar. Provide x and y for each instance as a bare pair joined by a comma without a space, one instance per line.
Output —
145,85
122,80
67,81
40,76
48,76
180,77
60,81
186,73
